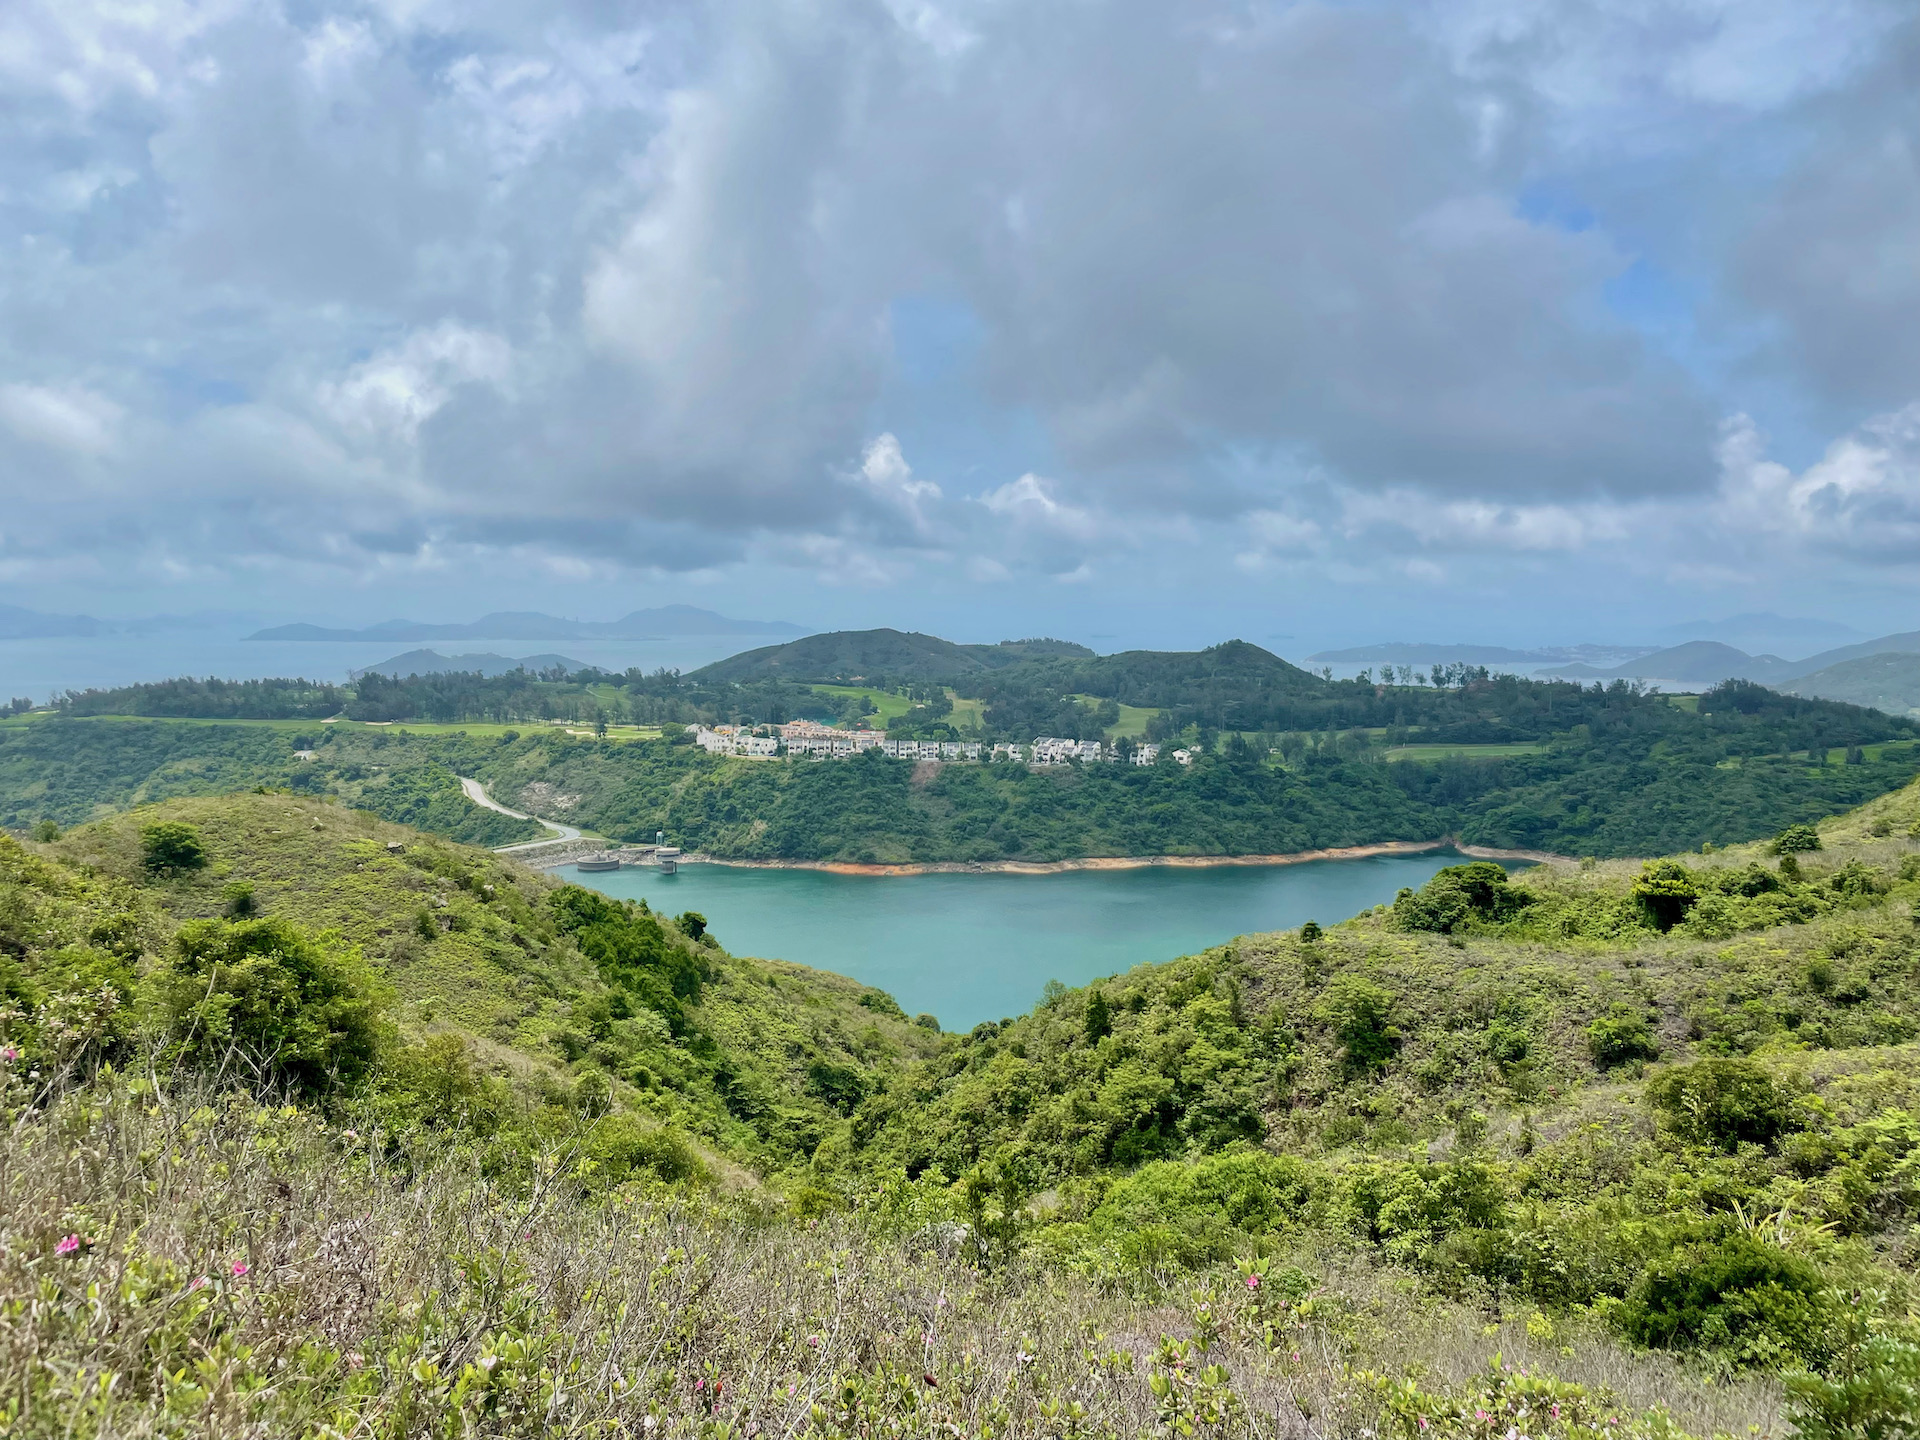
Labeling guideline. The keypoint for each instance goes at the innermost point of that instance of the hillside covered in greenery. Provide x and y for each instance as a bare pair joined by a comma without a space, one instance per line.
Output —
318,1125
1558,768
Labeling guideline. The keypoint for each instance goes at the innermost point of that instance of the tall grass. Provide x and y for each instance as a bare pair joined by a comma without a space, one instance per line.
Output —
235,1268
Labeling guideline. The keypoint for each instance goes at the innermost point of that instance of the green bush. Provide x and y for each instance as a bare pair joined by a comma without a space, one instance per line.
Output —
1360,1015
1620,1037
1796,840
623,1148
1874,1393
262,991
1459,897
1722,1102
172,848
1754,1303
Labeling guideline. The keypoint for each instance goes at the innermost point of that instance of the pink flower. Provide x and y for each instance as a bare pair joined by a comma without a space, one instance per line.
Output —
1423,1422
1556,1412
199,1282
1296,1357
1479,1414
9,1054
67,1246
240,1267
1253,1282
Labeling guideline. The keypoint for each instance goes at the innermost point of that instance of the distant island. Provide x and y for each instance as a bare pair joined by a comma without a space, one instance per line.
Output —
432,662
663,623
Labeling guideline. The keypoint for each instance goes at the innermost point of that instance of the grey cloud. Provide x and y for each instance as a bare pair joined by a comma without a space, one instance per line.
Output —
344,285
1834,253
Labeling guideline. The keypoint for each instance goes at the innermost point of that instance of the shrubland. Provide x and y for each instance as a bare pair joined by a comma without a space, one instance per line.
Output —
311,1135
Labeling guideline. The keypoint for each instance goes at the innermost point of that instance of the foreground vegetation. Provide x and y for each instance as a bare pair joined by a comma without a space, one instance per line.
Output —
316,1125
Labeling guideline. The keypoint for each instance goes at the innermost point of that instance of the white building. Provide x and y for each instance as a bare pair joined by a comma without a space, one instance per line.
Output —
1145,754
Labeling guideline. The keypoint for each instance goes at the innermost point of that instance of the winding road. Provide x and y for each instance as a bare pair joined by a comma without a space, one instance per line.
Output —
477,793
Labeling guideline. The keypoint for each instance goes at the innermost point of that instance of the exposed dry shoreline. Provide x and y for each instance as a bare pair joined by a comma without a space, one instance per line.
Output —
1133,862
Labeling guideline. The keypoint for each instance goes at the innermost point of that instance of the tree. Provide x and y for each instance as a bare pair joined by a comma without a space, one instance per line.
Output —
170,848
1099,1023
1666,890
1796,840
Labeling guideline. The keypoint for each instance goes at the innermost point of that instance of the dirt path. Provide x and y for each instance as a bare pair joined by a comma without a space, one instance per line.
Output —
477,793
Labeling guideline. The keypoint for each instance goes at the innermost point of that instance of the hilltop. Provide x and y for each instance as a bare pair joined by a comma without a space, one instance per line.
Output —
894,655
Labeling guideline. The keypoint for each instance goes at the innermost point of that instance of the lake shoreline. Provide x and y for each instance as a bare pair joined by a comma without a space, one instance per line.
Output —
1131,862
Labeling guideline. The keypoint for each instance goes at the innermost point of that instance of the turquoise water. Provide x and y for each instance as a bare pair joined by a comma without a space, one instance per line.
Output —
969,948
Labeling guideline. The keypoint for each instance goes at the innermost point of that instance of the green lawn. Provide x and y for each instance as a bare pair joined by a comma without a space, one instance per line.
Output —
1133,718
1447,752
886,704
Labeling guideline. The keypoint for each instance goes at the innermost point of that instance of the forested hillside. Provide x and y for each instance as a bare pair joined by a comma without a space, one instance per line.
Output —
1610,773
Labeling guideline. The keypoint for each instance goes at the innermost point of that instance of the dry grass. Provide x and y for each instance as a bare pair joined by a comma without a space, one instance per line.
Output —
251,1271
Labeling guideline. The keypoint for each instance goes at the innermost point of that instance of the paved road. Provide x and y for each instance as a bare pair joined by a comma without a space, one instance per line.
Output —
477,793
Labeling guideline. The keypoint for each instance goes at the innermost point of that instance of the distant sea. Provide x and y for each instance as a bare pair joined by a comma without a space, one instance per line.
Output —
40,669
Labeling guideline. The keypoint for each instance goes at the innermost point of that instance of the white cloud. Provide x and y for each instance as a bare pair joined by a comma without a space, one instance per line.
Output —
391,395
1486,524
67,418
1029,502
1861,498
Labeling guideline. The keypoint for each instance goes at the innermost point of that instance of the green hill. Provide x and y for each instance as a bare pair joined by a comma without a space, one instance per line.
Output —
316,1125
645,1012
895,655
1889,682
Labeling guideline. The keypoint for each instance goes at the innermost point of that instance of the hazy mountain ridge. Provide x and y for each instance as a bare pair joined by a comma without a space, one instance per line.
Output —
1889,681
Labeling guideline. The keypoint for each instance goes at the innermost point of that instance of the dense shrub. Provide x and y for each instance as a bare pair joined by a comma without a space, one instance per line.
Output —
1360,1015
171,848
1722,1102
1667,890
1621,1036
1458,897
287,1008
1796,840
1753,1302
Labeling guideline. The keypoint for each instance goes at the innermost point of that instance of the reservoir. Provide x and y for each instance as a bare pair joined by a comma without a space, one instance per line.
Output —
973,947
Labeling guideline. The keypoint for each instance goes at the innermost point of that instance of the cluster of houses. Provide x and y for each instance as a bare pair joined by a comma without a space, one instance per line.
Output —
821,742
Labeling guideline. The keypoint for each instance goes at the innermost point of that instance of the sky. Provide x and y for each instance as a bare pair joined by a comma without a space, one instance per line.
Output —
1510,321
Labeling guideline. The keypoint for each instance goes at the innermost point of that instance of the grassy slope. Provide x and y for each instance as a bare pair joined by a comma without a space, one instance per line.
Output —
495,970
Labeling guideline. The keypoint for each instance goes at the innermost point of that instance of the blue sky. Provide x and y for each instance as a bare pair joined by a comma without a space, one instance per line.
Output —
1517,322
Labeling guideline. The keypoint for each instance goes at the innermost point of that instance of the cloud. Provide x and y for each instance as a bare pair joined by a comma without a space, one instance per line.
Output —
69,418
1861,499
364,287
389,396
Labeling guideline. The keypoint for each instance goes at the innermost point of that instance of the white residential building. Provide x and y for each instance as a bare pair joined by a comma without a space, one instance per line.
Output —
1145,754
